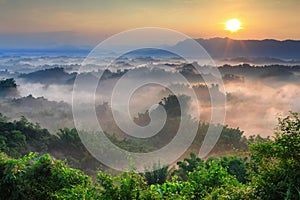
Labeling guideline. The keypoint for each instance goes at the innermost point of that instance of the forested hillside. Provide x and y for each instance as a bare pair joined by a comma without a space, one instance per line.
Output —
270,169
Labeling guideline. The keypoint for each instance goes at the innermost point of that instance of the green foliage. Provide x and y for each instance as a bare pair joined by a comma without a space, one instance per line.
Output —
132,144
125,186
273,171
158,174
206,179
33,177
3,119
277,162
172,105
255,139
74,151
18,138
69,139
8,88
236,166
188,165
13,142
230,138
21,137
173,190
7,84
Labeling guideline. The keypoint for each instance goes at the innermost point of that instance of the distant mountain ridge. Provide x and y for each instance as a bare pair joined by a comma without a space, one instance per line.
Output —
226,47
55,75
218,48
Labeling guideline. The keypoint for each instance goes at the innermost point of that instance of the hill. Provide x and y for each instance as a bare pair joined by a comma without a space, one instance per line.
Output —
226,47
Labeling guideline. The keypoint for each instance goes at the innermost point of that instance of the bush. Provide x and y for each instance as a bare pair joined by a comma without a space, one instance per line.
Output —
277,162
272,173
33,177
158,174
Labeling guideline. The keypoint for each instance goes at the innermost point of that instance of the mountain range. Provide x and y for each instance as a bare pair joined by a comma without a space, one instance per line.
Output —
269,48
218,48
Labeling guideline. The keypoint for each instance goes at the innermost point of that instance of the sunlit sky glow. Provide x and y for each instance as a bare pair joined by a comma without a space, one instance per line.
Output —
233,25
97,19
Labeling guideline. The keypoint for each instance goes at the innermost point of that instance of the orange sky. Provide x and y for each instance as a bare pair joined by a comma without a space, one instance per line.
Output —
96,19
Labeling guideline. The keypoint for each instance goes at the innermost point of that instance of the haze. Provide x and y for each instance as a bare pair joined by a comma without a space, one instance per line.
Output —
53,24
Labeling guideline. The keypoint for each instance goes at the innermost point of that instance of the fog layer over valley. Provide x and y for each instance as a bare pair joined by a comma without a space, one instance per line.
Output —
255,95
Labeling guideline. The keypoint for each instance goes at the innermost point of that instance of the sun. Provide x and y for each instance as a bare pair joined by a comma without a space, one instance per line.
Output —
233,25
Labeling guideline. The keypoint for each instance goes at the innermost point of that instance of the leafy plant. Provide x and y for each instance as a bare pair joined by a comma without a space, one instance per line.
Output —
278,162
158,174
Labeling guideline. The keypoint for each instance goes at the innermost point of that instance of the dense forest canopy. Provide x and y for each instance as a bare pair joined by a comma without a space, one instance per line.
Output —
270,171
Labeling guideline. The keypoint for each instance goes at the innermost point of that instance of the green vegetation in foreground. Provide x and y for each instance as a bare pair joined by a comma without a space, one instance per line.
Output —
20,137
272,171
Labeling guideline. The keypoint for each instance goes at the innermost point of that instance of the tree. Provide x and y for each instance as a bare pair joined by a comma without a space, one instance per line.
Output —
158,175
277,162
172,105
207,179
188,165
33,177
8,87
236,166
7,84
